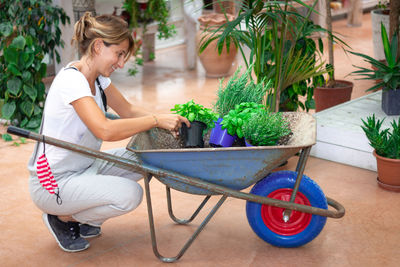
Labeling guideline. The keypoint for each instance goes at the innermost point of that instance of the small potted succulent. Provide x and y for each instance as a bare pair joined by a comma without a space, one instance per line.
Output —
386,73
264,128
386,144
201,119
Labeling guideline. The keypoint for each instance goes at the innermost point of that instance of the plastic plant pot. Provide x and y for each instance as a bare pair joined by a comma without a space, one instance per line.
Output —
219,137
193,136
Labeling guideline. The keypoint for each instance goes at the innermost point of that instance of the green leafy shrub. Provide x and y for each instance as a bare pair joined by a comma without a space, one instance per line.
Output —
237,117
196,112
29,29
264,128
385,142
239,89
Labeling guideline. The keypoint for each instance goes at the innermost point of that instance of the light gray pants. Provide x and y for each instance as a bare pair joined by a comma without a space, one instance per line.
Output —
102,191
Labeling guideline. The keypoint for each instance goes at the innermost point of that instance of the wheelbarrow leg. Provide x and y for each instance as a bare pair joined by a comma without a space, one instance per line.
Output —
190,240
300,170
171,212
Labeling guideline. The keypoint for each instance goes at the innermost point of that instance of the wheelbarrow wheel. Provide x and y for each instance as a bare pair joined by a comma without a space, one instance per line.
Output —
267,221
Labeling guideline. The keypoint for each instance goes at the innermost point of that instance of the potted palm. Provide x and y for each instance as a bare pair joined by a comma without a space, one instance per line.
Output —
387,74
201,119
332,92
271,30
386,144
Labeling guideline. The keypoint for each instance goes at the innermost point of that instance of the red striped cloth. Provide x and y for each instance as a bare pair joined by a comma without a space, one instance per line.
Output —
45,175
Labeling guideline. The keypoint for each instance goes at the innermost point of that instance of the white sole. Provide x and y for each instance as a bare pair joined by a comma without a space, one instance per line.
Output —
46,222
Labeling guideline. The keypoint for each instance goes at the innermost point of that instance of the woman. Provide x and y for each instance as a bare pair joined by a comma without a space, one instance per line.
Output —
84,192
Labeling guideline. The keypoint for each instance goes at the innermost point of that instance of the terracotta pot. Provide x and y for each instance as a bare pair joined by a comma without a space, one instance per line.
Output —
222,7
214,64
388,172
328,97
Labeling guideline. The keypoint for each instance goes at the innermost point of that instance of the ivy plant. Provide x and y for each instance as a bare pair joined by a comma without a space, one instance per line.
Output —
196,112
29,29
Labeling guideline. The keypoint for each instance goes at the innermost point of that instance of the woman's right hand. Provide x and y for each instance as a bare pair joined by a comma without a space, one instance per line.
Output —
171,122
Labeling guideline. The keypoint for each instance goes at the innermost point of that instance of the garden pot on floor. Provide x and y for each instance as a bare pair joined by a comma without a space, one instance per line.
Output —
216,65
388,173
326,97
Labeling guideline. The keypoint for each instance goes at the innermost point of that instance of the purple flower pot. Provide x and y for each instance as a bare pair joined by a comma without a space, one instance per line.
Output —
247,143
220,137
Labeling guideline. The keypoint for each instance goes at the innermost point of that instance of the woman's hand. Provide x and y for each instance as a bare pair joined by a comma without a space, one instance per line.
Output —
171,122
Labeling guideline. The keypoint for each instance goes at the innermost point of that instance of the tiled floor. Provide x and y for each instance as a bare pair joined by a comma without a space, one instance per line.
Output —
368,235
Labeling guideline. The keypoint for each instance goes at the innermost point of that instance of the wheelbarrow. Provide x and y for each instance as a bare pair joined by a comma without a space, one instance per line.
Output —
284,208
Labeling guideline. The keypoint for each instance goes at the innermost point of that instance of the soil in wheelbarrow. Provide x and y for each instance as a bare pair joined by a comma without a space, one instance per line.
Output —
165,140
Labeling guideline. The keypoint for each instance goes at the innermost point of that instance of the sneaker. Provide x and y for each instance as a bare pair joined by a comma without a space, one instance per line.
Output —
88,231
65,233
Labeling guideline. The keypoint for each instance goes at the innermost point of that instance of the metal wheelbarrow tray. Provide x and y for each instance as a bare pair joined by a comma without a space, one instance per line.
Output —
284,208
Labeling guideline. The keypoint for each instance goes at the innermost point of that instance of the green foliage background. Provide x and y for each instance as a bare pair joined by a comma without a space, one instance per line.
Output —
29,29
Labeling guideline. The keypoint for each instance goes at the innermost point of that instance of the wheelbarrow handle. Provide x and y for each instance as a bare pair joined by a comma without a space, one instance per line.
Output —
76,148
18,131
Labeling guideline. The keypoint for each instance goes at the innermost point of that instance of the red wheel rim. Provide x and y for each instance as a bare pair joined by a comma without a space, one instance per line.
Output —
273,216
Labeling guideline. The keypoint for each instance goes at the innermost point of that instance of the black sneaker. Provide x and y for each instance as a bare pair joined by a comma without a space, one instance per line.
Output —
88,231
65,233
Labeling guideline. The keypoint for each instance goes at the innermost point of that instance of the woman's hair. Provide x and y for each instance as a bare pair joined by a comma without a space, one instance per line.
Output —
111,29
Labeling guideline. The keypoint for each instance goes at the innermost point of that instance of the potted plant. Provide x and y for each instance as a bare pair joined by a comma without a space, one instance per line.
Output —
216,63
238,89
237,117
387,74
386,144
139,14
271,30
28,30
201,119
265,128
332,92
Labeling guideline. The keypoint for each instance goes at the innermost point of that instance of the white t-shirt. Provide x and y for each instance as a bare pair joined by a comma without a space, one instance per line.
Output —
60,119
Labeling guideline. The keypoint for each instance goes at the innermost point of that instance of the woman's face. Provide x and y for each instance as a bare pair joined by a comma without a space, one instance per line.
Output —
111,57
